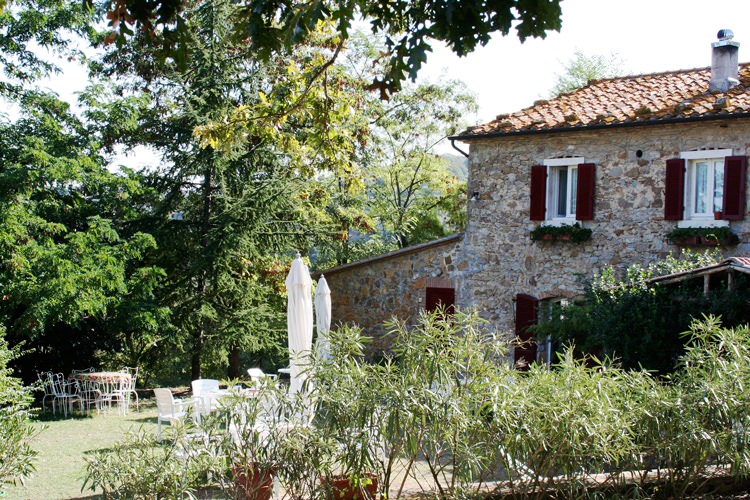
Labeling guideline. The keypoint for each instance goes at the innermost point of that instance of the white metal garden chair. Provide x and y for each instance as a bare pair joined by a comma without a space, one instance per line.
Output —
46,382
65,392
91,395
127,386
112,393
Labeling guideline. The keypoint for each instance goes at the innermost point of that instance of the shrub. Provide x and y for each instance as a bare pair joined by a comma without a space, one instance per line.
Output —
138,467
559,428
707,422
449,399
16,455
447,370
640,323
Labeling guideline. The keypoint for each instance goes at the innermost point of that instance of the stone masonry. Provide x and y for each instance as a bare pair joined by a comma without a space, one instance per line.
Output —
498,258
369,292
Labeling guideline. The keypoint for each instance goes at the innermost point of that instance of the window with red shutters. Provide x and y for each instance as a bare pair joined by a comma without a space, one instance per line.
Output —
674,189
585,192
538,205
734,187
562,192
526,315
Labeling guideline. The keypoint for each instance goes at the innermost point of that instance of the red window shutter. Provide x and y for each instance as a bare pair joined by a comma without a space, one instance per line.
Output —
526,315
674,189
435,297
585,193
537,208
734,187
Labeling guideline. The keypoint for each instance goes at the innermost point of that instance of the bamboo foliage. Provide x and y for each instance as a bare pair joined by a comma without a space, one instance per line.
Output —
445,405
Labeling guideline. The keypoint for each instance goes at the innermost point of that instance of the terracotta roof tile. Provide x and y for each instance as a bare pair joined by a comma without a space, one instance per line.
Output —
648,98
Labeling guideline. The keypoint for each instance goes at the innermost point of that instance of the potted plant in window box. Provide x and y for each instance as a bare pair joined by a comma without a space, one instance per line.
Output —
568,232
702,236
684,237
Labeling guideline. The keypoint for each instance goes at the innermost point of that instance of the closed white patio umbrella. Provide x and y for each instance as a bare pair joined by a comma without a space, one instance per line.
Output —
299,320
323,317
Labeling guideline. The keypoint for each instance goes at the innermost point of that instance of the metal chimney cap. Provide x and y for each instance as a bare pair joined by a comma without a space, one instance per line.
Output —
725,34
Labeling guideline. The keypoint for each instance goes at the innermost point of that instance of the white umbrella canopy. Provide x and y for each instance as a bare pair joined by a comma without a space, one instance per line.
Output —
323,317
299,319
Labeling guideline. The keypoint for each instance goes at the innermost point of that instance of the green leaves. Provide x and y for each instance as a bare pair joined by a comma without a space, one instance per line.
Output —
46,23
412,193
640,322
582,68
17,457
448,406
407,26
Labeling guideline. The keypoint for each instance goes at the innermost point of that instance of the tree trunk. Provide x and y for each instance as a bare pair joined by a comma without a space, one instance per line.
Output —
234,363
200,335
195,361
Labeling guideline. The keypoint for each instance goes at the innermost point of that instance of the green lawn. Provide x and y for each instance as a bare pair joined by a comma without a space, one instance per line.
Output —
63,444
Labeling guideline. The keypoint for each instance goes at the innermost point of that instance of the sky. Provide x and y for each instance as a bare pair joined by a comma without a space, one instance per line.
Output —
648,35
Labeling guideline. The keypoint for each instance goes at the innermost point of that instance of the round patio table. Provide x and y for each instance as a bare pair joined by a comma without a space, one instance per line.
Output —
101,377
105,388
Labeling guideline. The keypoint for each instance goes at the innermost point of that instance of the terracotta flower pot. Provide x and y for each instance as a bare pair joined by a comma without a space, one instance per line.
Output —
710,241
338,487
253,481
686,241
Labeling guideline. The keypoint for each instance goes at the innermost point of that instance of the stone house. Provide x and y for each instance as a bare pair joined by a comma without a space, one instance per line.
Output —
398,284
630,159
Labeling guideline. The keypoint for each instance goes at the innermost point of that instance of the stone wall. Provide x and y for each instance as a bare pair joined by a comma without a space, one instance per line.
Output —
371,291
628,226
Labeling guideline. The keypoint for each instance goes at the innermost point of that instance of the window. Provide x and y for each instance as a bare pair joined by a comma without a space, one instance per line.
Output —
440,297
562,191
705,188
563,187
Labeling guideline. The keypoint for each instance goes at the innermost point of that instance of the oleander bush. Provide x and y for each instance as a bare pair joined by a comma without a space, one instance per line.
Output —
138,467
449,402
16,432
571,429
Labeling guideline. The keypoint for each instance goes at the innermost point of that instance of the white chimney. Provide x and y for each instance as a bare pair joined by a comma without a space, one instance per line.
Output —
724,62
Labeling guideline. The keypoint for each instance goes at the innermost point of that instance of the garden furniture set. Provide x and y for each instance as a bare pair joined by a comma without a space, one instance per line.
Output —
89,389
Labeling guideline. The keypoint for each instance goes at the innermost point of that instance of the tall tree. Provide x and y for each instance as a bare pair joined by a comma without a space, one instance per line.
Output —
413,194
582,68
241,141
70,266
28,28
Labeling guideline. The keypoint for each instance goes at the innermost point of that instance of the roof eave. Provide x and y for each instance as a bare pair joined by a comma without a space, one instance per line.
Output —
644,123
395,253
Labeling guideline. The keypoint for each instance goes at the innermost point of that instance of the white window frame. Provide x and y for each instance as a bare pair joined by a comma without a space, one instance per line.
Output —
554,165
692,159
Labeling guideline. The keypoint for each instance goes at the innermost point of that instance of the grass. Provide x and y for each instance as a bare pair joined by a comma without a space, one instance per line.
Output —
64,442
62,445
